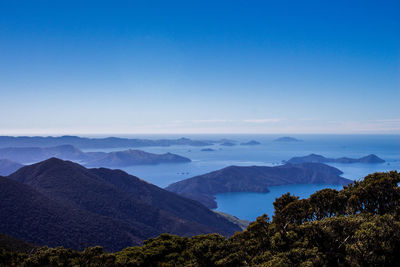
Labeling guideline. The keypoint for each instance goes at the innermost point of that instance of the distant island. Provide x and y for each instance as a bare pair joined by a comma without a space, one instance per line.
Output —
321,159
8,166
84,142
227,144
207,150
251,143
287,139
93,159
61,203
254,179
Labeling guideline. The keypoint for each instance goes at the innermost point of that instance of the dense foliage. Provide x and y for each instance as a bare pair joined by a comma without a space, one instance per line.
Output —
356,226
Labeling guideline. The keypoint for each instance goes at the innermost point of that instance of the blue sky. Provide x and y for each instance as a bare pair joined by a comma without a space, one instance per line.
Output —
120,67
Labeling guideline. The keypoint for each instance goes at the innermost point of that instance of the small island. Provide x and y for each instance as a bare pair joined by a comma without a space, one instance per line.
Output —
207,150
287,139
251,143
372,158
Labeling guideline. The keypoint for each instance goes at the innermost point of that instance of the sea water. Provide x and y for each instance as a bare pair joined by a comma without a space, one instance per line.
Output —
269,153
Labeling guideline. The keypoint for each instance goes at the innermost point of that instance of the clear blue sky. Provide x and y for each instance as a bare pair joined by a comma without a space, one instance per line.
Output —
81,67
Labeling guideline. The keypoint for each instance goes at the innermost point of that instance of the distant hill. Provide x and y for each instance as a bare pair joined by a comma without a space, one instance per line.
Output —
132,157
251,143
8,166
58,202
254,179
36,154
94,159
84,142
287,139
321,159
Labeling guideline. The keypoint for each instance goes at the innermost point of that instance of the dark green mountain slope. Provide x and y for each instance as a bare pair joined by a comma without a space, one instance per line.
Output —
145,209
28,215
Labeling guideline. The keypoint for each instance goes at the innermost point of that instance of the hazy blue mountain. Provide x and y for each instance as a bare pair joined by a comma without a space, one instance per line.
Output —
84,142
35,154
321,159
8,166
251,143
287,139
207,150
254,179
93,159
73,203
131,157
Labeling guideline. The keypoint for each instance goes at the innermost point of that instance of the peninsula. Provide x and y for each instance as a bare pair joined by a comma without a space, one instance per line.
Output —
254,179
372,158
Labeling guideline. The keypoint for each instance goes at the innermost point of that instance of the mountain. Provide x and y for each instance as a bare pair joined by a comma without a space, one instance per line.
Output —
254,179
302,232
83,142
251,143
321,159
28,215
8,166
287,139
35,154
79,201
94,159
132,157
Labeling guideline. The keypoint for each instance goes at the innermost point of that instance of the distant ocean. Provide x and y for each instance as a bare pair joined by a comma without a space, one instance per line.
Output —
251,205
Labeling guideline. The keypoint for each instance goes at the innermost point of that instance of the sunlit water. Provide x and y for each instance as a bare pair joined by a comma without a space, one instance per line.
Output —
269,153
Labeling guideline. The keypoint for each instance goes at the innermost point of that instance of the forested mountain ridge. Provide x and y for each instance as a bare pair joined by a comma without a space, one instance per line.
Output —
356,226
68,197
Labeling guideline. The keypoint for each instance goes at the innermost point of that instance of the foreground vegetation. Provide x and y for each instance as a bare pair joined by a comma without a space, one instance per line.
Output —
356,226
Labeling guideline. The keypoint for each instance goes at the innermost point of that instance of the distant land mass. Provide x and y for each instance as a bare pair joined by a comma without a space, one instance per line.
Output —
287,139
251,143
84,142
61,203
8,166
254,179
228,144
94,159
132,157
321,159
207,150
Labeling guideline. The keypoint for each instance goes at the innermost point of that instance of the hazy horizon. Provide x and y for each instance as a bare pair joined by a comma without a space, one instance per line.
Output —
178,67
